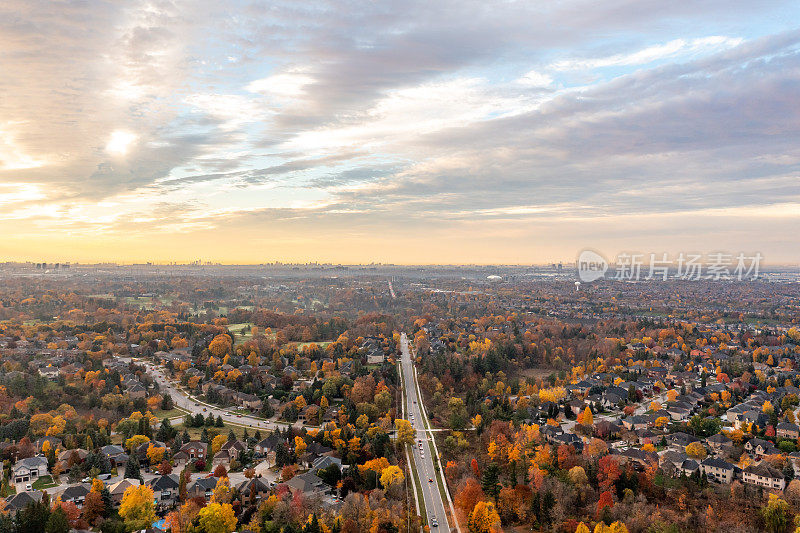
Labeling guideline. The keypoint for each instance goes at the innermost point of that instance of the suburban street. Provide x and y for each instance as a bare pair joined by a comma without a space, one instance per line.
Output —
423,455
194,406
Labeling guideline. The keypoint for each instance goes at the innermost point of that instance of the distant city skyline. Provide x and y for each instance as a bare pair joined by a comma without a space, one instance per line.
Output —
401,132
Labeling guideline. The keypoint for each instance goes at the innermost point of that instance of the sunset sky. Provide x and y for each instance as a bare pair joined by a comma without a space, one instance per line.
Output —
405,132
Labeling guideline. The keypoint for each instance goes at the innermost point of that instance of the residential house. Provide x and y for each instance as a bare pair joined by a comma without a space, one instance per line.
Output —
787,430
229,452
165,488
116,454
308,484
252,490
719,442
55,443
29,469
21,500
202,487
191,451
764,475
325,461
76,493
760,447
117,490
717,470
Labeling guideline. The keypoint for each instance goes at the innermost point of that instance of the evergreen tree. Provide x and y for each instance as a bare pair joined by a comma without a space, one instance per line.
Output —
312,526
219,423
108,505
788,472
165,431
33,518
490,482
166,403
57,523
132,469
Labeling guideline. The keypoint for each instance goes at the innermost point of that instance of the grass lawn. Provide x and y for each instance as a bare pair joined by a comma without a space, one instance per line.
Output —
172,413
195,433
43,482
241,336
322,344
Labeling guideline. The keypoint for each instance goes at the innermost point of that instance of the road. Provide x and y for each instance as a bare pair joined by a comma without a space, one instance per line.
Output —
423,455
194,406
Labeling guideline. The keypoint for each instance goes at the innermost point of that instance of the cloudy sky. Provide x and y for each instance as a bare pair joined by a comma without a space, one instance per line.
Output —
408,132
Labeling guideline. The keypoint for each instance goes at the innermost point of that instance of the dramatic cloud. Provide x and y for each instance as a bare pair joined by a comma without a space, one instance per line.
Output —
402,131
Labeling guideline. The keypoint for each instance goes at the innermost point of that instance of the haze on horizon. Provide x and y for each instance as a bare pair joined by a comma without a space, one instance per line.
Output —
397,132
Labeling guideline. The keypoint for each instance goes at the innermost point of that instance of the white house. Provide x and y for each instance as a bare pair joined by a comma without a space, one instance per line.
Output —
29,469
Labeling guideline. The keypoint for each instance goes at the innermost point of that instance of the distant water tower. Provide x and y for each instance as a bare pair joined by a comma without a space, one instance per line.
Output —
577,285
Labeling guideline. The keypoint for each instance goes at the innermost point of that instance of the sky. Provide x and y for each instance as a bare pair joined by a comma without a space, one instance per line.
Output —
405,132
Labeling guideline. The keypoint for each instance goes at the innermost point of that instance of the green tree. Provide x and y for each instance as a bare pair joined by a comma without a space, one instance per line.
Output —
57,523
775,514
33,518
132,468
490,481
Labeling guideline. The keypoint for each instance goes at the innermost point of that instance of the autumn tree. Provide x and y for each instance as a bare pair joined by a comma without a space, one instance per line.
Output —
93,507
484,518
775,514
586,418
391,477
216,444
696,450
137,508
608,472
405,433
217,518
222,492
468,495
180,520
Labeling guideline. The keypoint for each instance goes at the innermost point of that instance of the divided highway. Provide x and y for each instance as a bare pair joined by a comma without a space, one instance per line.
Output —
423,453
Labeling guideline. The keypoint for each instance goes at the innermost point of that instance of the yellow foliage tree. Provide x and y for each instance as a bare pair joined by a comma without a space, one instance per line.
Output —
391,475
222,492
484,518
299,446
586,418
615,527
155,454
137,508
217,518
696,450
405,433
134,442
217,443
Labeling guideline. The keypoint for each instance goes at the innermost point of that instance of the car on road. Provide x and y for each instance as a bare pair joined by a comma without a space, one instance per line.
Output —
238,416
434,523
430,480
28,487
86,480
